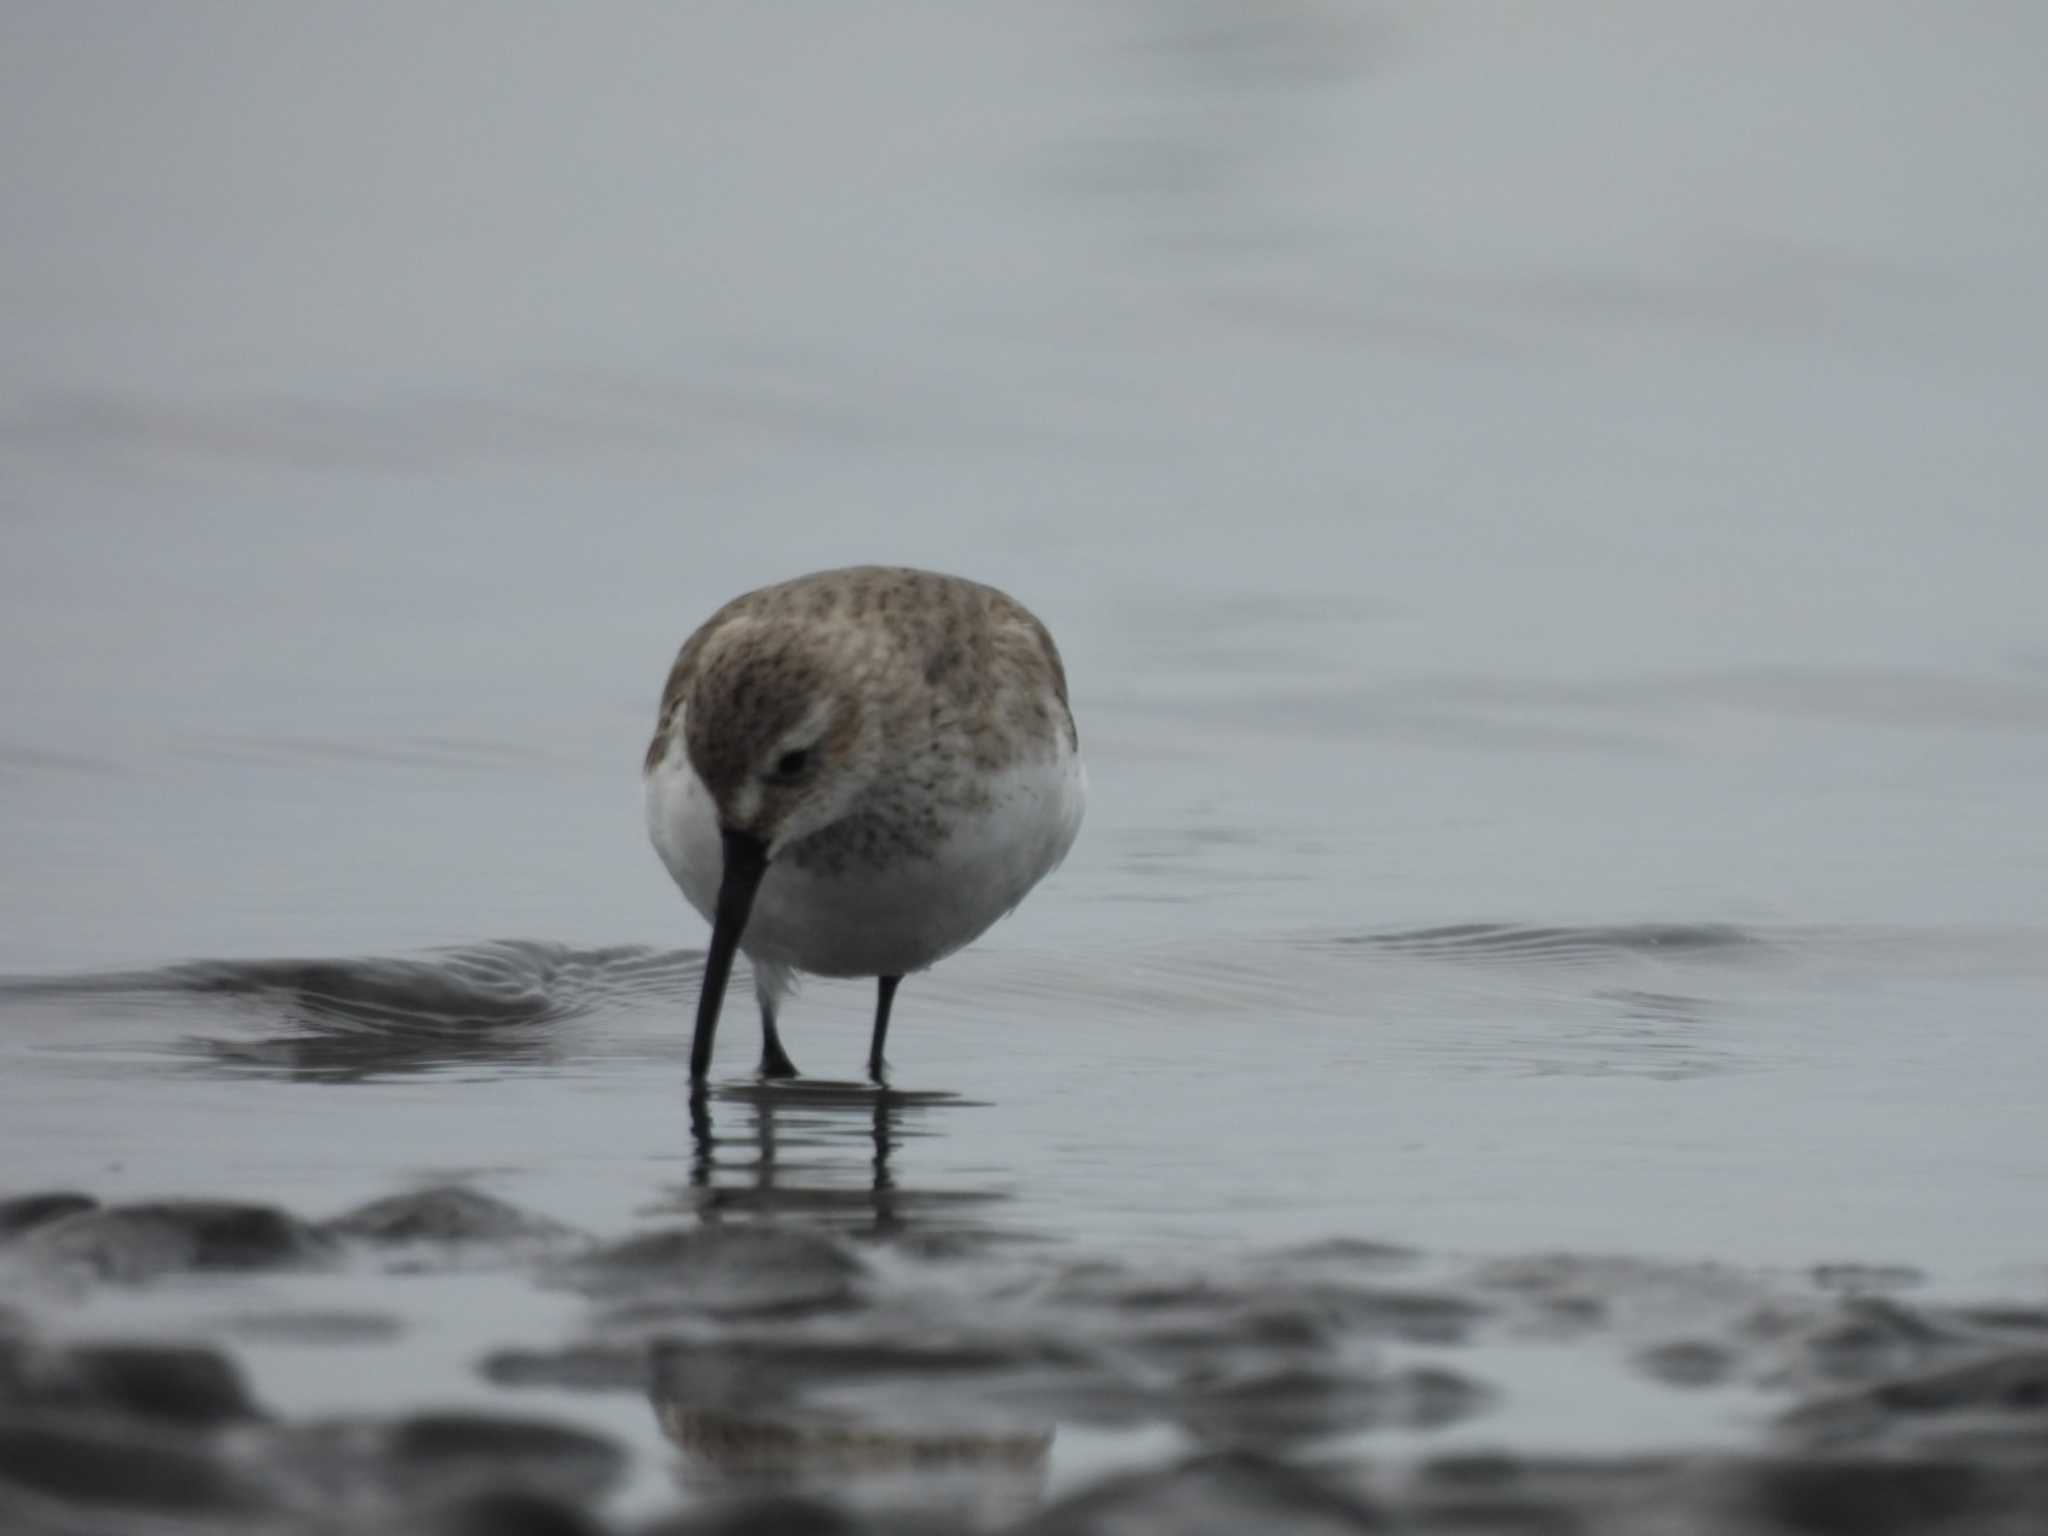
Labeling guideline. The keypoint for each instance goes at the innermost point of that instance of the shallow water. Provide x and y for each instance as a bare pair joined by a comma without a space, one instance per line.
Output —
1543,517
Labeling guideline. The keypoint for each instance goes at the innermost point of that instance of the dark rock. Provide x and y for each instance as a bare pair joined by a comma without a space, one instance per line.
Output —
1222,1495
2017,1383
190,1386
1985,1441
129,1244
90,1462
2008,1391
431,1452
723,1269
1469,1471
449,1214
22,1212
757,1447
1870,1336
771,1515
1431,1397
1506,1520
1688,1363
1505,1515
1273,1408
1868,1498
1495,1494
1473,1469
506,1513
1725,1496
437,1461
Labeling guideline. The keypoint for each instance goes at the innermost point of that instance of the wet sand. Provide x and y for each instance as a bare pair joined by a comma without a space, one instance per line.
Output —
825,1299
797,1365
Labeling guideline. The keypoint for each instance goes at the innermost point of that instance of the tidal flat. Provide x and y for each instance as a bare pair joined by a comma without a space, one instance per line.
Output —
820,1307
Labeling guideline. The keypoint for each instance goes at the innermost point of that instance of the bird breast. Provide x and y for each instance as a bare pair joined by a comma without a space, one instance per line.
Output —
912,875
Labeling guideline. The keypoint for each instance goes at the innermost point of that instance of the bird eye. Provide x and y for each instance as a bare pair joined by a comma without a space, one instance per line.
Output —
792,764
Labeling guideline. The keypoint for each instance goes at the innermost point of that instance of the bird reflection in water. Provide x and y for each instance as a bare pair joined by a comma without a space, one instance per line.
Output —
789,1157
869,1395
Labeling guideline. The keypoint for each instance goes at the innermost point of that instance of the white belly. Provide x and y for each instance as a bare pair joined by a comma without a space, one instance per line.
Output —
879,920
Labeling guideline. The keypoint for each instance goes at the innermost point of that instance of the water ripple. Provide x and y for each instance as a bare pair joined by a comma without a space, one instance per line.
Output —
343,1019
1513,942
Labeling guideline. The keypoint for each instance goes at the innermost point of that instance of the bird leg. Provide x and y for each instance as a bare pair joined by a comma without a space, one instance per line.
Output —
885,995
771,986
775,1060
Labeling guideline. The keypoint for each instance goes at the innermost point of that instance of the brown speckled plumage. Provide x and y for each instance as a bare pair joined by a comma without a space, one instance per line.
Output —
977,660
958,629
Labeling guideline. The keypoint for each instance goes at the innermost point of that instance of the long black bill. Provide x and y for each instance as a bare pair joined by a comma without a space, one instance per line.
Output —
746,860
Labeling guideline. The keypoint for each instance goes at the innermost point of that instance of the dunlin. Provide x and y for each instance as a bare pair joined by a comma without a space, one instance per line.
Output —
856,773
